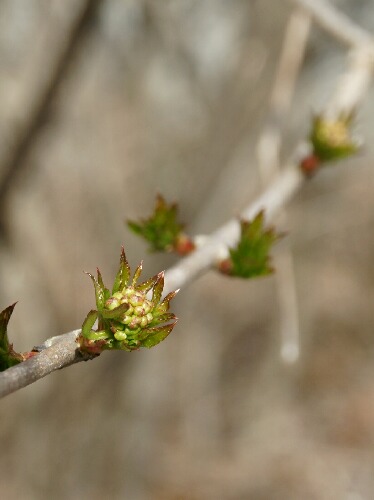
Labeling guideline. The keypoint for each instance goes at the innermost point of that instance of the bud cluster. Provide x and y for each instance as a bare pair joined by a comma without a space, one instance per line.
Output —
127,318
162,230
331,139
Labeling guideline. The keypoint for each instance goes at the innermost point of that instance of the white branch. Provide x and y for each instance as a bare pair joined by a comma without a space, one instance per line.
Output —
336,23
272,200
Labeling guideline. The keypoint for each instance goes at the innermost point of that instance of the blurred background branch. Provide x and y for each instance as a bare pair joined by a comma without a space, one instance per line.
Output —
39,103
337,23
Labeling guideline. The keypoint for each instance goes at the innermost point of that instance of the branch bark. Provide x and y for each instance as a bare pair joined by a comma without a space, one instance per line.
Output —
63,352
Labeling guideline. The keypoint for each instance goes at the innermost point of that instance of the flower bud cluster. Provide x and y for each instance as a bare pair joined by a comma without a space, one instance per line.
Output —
127,319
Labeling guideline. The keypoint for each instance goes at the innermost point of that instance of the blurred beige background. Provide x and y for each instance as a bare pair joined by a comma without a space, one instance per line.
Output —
171,96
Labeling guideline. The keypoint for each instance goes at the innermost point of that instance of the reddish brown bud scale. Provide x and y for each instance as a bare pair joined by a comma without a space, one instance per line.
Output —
184,245
310,165
28,355
225,266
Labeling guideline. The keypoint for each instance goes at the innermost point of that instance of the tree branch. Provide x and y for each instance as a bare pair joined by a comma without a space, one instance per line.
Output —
61,351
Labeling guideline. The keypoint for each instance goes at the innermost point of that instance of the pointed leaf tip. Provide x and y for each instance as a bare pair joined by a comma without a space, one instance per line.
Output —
99,289
158,288
123,273
156,335
8,357
4,320
137,273
163,307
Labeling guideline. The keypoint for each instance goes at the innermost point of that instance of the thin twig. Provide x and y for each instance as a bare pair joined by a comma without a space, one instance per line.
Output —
337,24
268,152
353,84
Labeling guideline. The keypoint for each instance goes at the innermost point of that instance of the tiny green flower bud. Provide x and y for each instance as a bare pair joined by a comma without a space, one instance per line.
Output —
147,306
134,323
143,322
112,303
136,300
121,336
149,317
139,311
126,319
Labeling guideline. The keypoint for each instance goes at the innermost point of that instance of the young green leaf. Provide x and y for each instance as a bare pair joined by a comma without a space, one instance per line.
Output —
162,229
99,290
8,357
250,258
89,322
123,273
156,335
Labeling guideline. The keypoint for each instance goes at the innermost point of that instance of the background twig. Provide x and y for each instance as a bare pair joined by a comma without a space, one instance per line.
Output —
336,23
13,162
268,151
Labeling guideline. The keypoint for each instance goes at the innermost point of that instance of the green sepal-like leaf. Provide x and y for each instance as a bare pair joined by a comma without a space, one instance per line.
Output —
331,139
148,285
101,284
157,289
8,357
138,272
89,322
156,335
99,292
164,318
165,304
114,313
250,258
162,228
123,273
99,335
